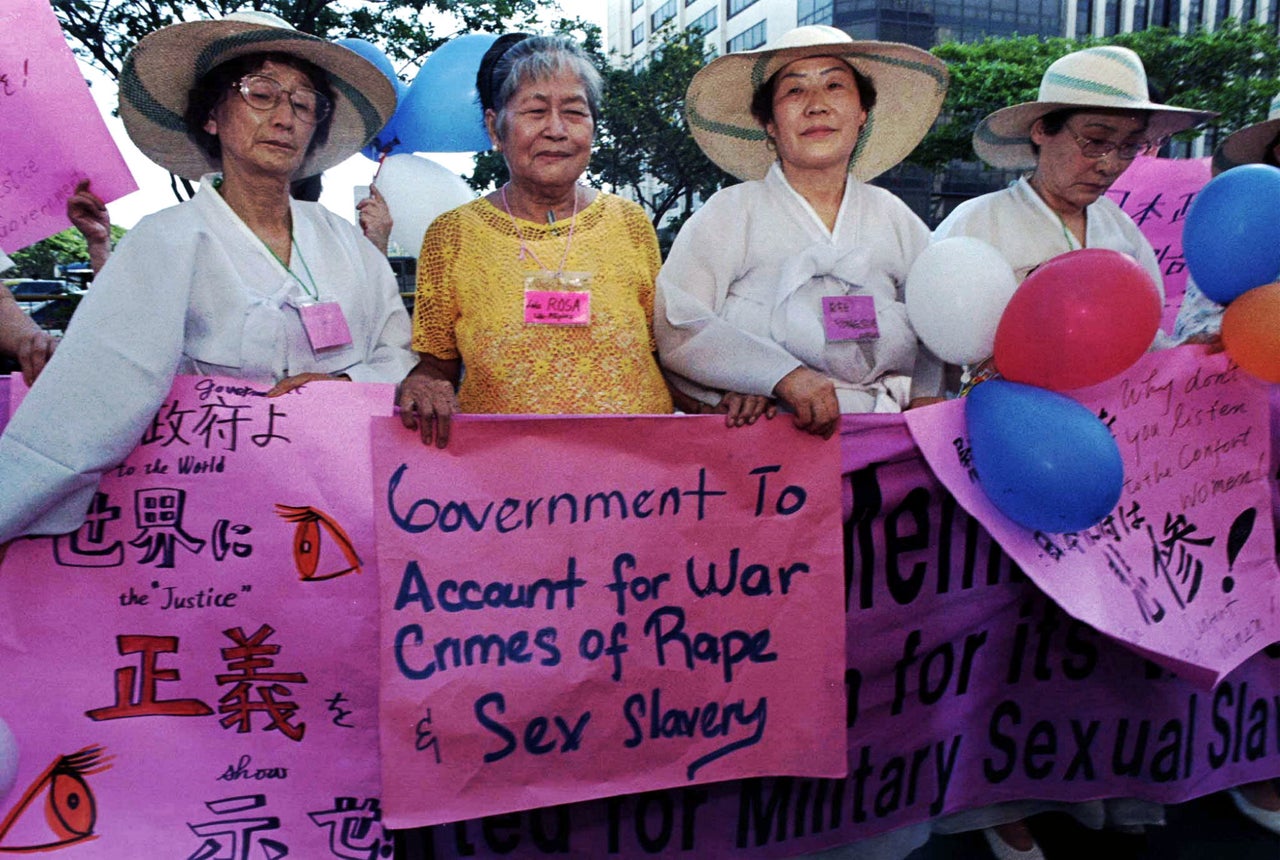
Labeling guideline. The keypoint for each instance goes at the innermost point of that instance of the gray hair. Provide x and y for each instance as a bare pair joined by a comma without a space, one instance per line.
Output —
538,58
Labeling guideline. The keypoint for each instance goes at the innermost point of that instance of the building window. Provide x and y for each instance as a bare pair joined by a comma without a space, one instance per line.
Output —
1084,17
637,34
664,14
1249,10
705,23
1111,24
636,4
814,12
748,39
736,6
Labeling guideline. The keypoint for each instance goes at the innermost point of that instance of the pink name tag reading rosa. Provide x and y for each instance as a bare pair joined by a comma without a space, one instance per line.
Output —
849,318
557,299
325,324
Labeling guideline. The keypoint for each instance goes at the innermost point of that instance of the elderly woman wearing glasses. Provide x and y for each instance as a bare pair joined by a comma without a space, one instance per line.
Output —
1092,118
239,281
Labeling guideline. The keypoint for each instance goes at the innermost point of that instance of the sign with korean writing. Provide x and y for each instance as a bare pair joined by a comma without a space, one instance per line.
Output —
574,608
195,662
1184,568
51,134
1157,193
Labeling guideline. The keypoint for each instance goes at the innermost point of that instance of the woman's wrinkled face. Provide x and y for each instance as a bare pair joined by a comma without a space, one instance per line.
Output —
269,142
545,132
1065,174
817,113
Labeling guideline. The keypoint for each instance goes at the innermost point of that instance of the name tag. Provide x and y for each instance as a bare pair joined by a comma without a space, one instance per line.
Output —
551,307
849,318
557,299
325,325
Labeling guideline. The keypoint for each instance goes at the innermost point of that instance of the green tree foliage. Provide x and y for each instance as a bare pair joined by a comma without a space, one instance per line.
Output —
104,31
643,143
39,260
1234,70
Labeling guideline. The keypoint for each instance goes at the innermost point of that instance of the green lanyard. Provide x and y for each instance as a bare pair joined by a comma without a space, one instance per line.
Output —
312,292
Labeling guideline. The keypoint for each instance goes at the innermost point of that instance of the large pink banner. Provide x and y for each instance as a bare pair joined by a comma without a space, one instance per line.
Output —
965,684
1184,568
576,608
51,134
1157,193
191,674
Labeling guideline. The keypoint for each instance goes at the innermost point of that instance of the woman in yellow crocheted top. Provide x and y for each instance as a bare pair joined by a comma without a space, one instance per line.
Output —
543,289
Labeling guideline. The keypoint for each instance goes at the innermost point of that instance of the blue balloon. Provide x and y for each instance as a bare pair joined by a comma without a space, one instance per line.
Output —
373,54
387,141
440,111
1045,461
1231,240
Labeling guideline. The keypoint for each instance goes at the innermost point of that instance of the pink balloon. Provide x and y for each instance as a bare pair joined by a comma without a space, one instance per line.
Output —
1077,320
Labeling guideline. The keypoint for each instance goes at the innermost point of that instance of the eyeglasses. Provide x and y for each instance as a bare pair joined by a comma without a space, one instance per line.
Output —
263,93
1093,148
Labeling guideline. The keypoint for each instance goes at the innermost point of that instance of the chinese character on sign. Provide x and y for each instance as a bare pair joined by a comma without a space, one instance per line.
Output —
247,660
158,513
355,832
136,685
232,838
88,546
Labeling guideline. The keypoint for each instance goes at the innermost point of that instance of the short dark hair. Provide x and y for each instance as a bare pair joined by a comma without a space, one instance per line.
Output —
1056,120
762,99
213,87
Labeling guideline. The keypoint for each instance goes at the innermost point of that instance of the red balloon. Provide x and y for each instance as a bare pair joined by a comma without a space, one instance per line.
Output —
1077,320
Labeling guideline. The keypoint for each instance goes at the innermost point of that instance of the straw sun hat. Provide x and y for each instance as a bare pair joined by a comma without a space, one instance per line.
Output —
1105,77
910,85
1249,145
163,67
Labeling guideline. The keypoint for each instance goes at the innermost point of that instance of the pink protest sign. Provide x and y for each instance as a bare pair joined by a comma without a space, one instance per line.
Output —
1184,569
196,660
1156,193
580,607
51,134
967,686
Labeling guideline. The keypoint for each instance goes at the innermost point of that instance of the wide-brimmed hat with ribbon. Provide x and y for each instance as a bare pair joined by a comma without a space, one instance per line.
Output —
1249,145
164,66
1107,77
910,84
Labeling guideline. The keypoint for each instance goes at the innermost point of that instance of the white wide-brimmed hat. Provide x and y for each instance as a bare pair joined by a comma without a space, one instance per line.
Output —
164,66
1107,77
910,84
1249,145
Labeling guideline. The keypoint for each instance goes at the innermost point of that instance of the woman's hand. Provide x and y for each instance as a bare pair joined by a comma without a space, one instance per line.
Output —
427,400
33,350
375,218
741,410
89,215
812,397
289,383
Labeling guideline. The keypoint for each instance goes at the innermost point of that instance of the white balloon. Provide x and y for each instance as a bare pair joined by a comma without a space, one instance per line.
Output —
417,190
957,290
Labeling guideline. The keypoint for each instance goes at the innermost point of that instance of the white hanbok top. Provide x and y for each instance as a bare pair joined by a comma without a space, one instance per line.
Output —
1022,227
739,301
189,290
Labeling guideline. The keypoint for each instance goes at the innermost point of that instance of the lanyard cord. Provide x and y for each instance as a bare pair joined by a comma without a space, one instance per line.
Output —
525,249
312,292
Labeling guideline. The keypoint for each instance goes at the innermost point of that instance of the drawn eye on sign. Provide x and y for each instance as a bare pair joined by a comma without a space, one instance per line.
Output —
69,808
310,547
